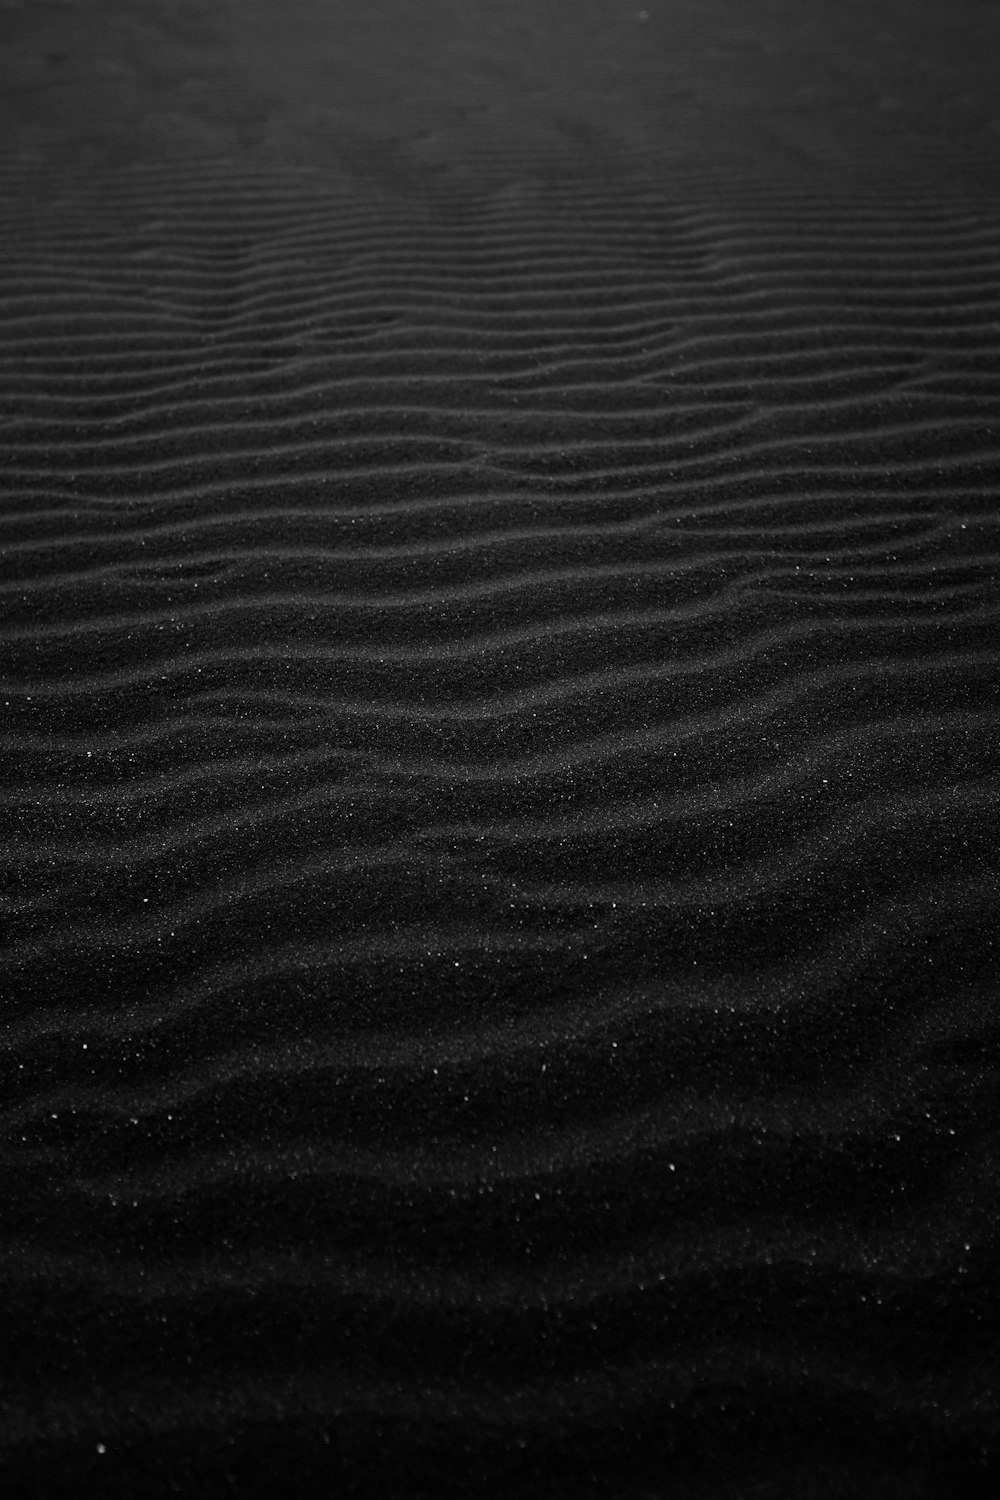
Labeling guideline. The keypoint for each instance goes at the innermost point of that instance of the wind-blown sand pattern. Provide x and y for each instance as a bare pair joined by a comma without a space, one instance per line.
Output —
501,886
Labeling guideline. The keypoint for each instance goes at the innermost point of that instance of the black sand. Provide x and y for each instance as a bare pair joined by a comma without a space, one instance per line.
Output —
500,700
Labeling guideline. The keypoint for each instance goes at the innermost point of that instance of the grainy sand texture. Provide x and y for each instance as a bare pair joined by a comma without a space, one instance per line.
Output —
500,655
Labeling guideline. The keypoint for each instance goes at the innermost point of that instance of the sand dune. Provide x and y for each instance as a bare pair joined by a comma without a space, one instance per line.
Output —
500,711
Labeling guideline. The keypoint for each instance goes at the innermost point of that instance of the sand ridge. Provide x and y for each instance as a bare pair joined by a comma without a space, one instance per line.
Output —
499,692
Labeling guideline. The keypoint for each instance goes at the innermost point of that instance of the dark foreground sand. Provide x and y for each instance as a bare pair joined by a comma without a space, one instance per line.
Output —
500,740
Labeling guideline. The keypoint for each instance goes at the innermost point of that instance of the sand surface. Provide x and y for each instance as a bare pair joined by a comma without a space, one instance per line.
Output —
500,640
